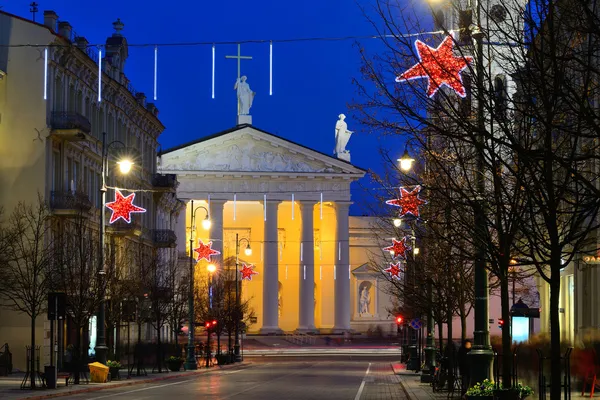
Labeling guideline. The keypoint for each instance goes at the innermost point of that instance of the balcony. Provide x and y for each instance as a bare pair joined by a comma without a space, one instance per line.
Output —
69,125
164,238
122,228
69,204
166,182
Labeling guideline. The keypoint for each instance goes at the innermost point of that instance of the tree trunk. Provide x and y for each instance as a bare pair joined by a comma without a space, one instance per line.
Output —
506,338
441,335
137,352
555,368
159,358
32,361
78,356
450,353
463,323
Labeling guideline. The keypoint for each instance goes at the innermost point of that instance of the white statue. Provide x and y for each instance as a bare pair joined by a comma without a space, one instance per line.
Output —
365,300
245,96
342,135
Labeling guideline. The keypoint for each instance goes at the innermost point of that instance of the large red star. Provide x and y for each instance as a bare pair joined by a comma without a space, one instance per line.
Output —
247,272
205,251
394,270
398,248
122,207
408,202
440,66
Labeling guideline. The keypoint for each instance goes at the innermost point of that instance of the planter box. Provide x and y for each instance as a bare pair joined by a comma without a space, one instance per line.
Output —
174,365
480,397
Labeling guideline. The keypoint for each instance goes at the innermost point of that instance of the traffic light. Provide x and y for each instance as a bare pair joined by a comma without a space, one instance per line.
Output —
210,324
500,323
399,320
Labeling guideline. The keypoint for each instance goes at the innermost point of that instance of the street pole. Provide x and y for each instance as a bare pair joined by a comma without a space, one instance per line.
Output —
481,354
429,369
190,363
236,346
101,348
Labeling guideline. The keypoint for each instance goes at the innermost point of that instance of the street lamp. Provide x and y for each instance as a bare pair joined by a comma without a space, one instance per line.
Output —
211,268
406,161
190,363
248,252
124,166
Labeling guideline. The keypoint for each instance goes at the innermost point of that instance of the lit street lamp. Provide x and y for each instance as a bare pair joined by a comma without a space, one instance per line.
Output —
190,363
125,166
248,252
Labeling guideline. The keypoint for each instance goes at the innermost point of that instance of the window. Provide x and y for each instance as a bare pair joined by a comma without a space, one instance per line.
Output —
69,173
55,171
84,187
58,95
76,178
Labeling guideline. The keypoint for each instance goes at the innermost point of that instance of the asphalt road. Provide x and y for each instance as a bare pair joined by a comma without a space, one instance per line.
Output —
271,378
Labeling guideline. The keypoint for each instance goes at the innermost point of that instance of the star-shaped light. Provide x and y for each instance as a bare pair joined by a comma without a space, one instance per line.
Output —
440,66
408,202
205,251
247,271
122,207
394,270
398,248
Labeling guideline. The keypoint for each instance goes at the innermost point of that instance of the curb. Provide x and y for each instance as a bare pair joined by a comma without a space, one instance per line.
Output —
126,383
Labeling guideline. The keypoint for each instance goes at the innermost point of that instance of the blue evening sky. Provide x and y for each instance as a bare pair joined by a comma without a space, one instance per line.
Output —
312,80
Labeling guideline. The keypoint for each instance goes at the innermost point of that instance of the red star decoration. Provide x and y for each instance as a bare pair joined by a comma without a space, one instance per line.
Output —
122,207
247,272
399,248
394,271
408,202
205,251
440,66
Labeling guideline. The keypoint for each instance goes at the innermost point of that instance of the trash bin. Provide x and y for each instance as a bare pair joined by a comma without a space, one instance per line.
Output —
50,376
98,372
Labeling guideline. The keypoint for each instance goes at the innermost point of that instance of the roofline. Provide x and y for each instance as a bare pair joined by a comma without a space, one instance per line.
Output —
241,126
41,25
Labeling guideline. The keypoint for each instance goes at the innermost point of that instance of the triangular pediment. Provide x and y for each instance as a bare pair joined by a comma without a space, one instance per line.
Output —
364,269
247,149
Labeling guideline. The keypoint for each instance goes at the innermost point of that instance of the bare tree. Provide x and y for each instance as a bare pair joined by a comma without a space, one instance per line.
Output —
27,254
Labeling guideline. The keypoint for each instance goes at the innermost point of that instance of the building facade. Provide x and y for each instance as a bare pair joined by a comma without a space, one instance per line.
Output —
52,131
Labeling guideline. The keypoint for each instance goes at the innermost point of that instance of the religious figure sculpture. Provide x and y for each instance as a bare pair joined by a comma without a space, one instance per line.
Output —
245,96
365,300
342,135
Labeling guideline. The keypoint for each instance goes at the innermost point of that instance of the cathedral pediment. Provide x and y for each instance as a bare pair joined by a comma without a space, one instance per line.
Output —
246,149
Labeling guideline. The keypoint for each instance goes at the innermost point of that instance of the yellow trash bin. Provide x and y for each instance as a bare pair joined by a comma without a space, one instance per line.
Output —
98,372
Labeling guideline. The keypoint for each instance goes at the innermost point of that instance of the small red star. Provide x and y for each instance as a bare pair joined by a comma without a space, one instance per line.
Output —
122,207
408,202
247,271
394,270
398,247
205,251
440,66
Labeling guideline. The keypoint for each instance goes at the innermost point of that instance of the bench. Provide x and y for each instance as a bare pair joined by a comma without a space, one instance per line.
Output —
66,375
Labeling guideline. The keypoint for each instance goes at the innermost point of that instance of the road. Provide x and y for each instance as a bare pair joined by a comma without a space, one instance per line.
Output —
272,378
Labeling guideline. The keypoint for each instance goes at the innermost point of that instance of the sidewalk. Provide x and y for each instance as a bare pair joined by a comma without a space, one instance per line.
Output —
415,390
10,385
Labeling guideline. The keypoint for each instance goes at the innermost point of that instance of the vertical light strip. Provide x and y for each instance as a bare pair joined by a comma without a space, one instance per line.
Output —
321,205
293,206
99,75
265,205
320,272
349,266
208,208
155,70
46,73
271,68
286,271
262,250
234,204
301,251
334,271
304,272
213,71
339,250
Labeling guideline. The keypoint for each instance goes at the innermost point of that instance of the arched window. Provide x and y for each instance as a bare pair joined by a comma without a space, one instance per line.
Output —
500,98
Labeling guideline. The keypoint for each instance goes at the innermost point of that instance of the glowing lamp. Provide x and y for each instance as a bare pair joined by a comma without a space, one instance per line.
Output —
397,222
248,250
211,268
125,166
406,161
416,251
206,223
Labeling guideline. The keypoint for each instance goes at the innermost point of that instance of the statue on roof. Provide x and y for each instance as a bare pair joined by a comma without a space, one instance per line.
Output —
245,96
342,136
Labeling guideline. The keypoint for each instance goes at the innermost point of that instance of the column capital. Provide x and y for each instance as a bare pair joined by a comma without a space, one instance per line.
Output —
341,205
306,203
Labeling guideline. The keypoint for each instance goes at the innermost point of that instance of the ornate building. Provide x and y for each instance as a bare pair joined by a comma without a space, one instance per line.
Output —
51,140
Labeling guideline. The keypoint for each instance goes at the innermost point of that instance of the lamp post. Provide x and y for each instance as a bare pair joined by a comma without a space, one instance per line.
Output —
248,252
481,354
124,166
190,363
211,268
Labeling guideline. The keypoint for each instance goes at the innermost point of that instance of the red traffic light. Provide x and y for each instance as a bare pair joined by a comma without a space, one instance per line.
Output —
500,323
399,320
207,324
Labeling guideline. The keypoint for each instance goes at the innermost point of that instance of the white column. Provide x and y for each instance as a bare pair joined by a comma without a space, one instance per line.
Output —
307,268
216,230
183,221
341,261
270,271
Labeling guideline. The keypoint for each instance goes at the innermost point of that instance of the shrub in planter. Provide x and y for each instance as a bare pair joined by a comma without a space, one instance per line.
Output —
174,363
481,391
113,369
